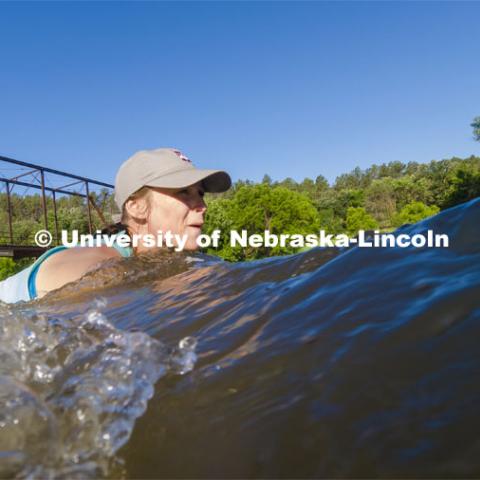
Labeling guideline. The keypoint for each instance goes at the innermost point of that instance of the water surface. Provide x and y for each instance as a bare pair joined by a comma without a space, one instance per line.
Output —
353,363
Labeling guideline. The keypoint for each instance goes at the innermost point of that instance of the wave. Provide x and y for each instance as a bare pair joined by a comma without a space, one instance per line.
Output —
329,363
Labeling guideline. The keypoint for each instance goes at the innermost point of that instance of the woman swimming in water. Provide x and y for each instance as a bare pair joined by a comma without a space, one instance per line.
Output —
156,191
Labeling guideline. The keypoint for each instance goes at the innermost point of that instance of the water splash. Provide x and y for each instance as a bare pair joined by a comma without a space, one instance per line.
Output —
71,389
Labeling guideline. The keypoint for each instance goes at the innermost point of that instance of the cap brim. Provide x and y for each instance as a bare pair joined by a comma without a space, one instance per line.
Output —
214,181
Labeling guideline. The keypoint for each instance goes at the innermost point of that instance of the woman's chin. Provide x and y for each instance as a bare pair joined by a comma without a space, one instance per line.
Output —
192,238
191,245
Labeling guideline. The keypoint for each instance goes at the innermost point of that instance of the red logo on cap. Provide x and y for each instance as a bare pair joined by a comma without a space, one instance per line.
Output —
182,156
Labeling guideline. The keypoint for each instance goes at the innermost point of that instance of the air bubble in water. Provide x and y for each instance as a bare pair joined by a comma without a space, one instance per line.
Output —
184,357
187,343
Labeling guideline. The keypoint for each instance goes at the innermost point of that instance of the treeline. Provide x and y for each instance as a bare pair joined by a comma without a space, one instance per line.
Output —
71,212
381,197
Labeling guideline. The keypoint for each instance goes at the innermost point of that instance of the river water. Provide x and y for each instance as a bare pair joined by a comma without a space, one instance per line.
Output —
352,363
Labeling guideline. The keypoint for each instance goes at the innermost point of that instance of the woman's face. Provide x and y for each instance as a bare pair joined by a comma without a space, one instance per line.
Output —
180,211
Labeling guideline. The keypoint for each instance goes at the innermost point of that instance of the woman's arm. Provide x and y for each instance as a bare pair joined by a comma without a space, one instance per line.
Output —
70,265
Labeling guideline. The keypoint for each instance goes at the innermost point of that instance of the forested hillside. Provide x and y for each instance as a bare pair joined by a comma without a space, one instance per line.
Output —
381,197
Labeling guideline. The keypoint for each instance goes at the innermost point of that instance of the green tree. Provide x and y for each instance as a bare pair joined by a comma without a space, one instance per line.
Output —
330,222
476,128
408,189
464,185
414,212
380,201
289,183
438,174
219,217
7,267
267,179
328,204
321,183
308,187
358,219
349,197
256,208
353,180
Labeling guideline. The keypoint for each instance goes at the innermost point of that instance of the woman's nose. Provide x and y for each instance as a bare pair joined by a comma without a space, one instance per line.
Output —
199,204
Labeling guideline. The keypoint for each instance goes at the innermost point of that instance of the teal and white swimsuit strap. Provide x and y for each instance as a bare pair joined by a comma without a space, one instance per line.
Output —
123,251
32,289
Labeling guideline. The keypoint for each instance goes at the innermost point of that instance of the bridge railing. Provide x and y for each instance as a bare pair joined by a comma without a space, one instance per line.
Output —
52,185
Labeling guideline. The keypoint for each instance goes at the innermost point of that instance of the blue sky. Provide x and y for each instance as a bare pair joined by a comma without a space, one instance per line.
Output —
289,89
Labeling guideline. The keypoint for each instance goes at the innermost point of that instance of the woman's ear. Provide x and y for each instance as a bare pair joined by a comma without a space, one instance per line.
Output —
137,208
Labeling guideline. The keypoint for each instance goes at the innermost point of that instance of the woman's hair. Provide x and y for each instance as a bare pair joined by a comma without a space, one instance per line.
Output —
114,228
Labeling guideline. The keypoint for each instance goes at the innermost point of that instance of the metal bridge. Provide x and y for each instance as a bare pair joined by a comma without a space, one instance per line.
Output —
48,181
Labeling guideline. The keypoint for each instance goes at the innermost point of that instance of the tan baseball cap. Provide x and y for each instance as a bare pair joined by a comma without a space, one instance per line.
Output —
167,168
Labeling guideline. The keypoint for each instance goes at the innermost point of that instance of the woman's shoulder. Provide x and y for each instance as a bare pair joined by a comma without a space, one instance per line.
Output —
69,265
